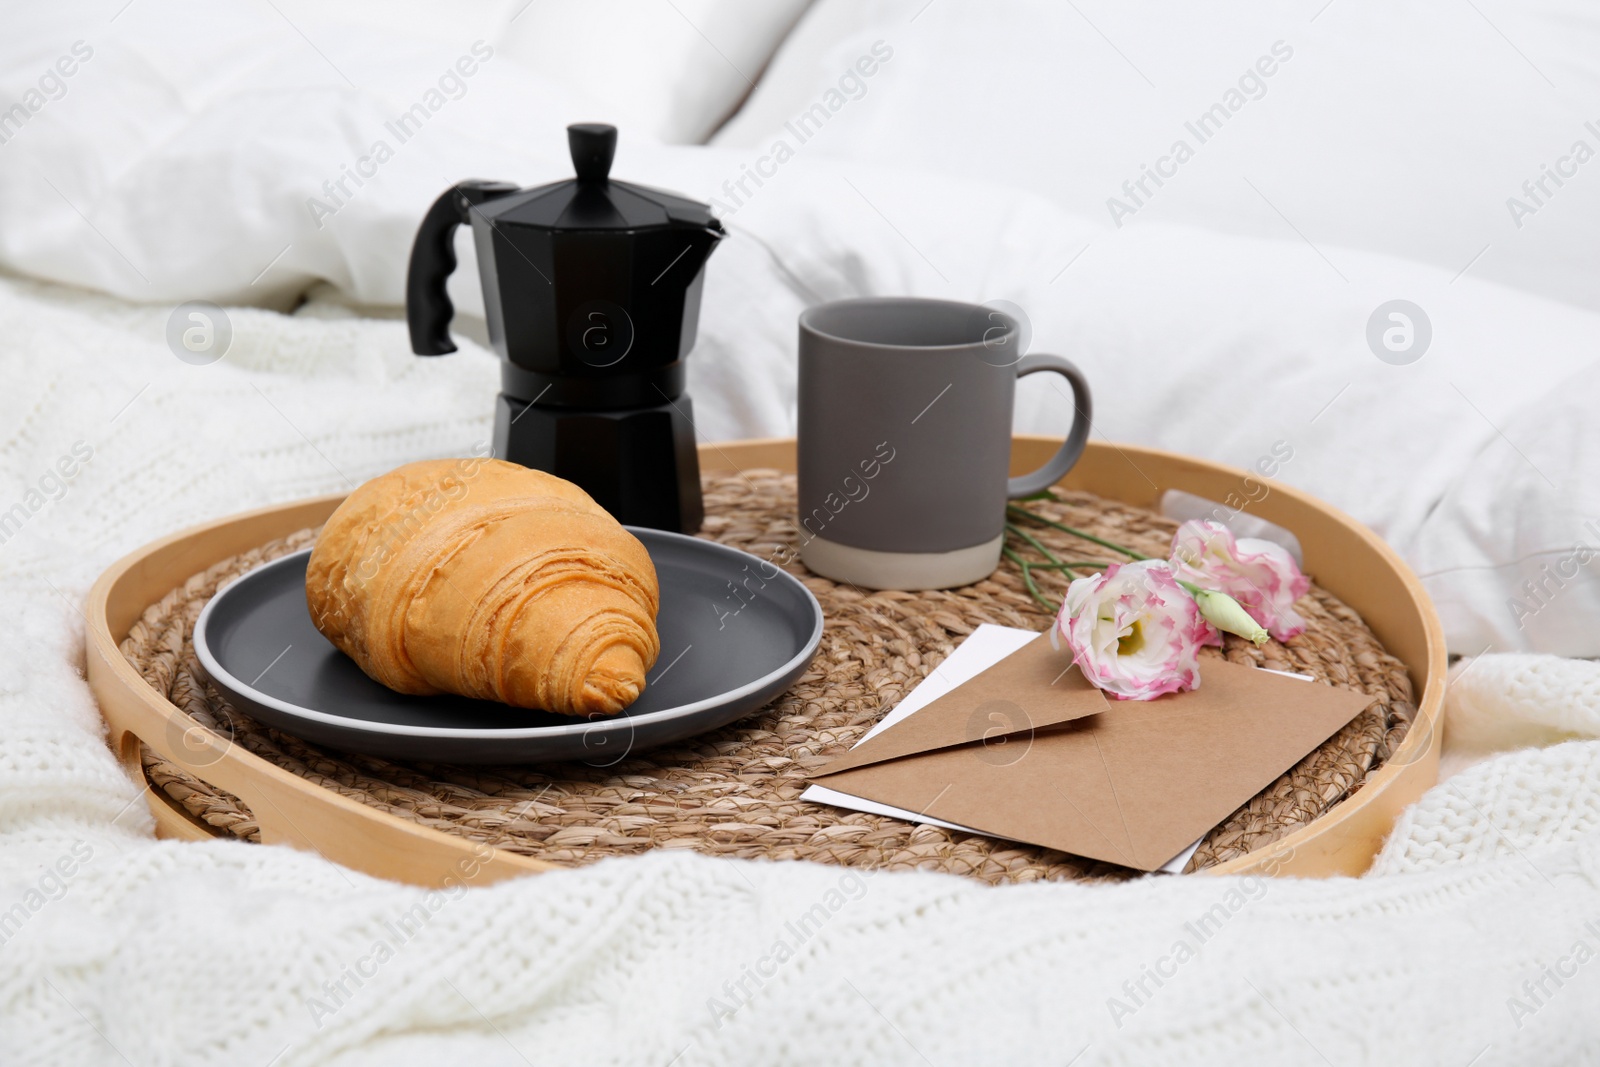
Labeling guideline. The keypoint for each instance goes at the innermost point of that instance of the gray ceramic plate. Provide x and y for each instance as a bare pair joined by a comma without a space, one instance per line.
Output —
723,656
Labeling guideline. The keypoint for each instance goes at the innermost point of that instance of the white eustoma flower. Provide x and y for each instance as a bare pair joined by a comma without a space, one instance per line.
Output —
1133,630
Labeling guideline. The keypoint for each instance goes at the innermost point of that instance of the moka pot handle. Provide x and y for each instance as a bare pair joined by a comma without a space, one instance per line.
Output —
433,258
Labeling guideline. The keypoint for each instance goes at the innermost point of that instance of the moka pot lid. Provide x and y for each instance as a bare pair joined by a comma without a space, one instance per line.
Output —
594,200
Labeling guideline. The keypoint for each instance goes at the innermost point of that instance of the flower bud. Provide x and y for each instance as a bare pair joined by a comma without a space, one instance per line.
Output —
1261,575
1225,613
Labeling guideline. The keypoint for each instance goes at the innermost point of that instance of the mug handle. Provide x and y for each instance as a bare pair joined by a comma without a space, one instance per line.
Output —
1072,448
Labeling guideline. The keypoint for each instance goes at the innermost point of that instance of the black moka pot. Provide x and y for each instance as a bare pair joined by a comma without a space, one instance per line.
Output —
592,291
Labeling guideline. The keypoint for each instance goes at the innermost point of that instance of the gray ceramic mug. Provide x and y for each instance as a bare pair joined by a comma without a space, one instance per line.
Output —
905,439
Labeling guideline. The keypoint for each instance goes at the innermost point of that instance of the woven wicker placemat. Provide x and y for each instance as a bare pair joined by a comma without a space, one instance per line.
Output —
735,792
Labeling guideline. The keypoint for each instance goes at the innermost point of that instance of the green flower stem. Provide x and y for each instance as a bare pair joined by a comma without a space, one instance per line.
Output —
1024,512
1072,563
1055,563
1027,578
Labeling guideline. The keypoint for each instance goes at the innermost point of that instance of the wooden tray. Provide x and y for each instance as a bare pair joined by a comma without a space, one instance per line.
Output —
1347,558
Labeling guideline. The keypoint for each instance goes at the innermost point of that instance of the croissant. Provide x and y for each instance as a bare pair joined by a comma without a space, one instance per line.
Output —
489,580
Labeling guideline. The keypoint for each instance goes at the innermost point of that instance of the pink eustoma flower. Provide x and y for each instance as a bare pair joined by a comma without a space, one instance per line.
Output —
1133,630
1260,575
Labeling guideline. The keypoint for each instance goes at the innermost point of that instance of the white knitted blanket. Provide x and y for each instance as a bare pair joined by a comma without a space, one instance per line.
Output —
1471,942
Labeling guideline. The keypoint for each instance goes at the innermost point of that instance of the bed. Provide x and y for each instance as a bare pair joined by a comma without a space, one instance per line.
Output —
163,153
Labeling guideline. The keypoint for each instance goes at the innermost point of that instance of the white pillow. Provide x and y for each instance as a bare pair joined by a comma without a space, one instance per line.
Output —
1401,127
186,150
672,71
1511,555
216,156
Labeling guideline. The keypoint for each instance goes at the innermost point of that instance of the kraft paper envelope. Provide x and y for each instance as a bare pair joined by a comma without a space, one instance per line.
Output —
1025,752
1034,687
